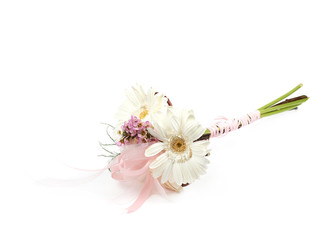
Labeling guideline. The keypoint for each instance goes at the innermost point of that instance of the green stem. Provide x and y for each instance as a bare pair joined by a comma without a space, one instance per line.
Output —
289,104
285,105
278,111
282,97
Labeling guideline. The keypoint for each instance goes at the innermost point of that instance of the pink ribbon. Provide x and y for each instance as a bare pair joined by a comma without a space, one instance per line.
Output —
222,125
132,164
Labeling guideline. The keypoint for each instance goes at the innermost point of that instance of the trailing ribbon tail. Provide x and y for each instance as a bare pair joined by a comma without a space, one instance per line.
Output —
144,194
131,165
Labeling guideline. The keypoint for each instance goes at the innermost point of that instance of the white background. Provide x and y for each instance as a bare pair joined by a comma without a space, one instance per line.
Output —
64,66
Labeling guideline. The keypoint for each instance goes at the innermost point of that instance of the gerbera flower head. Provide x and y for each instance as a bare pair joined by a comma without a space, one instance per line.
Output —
141,104
183,158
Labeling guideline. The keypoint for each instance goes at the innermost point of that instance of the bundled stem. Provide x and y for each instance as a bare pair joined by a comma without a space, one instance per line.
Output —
276,106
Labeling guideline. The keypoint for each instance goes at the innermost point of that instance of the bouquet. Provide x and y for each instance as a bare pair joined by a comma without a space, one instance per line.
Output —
165,147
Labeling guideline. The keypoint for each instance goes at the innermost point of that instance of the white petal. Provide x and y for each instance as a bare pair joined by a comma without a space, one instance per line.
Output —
162,125
154,149
139,93
167,173
125,111
186,173
188,126
199,131
140,88
150,99
193,130
200,148
184,116
159,136
188,116
200,169
175,124
159,161
177,174
161,128
201,160
157,172
192,169
201,144
200,164
132,97
197,163
205,161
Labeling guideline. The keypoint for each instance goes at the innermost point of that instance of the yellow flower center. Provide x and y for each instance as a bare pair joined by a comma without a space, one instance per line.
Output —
178,144
143,114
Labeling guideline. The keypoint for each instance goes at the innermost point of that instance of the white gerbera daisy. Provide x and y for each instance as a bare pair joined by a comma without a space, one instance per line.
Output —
141,104
183,158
